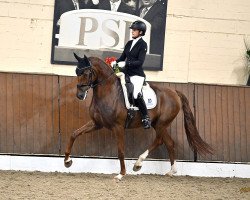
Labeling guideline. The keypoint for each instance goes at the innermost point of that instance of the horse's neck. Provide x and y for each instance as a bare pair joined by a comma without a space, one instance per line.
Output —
107,89
107,83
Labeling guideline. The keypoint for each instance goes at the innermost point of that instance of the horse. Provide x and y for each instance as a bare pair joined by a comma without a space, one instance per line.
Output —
107,109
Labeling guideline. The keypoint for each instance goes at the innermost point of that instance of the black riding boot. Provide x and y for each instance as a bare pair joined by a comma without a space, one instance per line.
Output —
144,112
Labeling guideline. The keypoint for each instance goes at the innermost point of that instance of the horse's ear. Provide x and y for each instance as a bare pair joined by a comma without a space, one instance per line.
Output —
77,57
86,60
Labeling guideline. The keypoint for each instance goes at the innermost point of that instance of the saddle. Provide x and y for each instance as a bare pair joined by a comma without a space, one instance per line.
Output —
148,93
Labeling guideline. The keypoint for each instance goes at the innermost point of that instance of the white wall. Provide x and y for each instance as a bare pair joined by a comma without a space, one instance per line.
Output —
204,40
111,166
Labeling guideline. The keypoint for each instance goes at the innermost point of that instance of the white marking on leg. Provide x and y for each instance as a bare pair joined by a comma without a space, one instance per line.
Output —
173,169
68,160
141,158
118,177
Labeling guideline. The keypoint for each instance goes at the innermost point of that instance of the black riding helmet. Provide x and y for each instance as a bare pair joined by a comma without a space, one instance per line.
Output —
139,25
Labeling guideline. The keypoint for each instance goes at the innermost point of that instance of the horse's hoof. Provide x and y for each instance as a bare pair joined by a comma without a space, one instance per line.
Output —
136,168
118,177
171,173
68,164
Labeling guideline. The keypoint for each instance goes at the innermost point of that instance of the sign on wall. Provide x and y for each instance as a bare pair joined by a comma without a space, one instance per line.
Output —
101,28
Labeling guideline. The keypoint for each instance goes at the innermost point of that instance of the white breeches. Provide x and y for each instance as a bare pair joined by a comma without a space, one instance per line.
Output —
138,83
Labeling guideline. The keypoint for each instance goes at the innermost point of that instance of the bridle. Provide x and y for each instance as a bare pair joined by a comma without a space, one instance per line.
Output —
90,83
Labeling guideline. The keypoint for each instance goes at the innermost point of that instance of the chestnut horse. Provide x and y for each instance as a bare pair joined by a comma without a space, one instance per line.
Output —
108,110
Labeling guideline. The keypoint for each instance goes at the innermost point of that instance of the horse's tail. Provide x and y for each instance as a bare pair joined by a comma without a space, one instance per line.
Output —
195,141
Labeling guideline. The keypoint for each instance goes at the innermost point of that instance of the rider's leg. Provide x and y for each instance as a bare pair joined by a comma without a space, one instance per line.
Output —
138,83
144,112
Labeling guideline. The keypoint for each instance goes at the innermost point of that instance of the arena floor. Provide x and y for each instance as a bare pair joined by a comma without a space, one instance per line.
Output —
60,186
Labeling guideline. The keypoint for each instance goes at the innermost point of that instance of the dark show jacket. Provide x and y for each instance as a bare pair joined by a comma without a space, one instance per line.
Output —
123,7
156,16
64,6
61,7
134,58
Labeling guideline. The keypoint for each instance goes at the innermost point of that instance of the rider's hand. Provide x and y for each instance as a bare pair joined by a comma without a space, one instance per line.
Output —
113,64
121,64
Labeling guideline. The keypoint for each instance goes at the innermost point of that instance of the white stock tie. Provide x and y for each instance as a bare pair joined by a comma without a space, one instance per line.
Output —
113,7
76,4
144,12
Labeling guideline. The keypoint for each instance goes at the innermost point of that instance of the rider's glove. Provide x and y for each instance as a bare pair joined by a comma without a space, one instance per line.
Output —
121,64
117,67
113,64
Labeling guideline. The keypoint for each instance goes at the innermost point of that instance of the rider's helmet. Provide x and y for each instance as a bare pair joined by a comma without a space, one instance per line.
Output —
139,25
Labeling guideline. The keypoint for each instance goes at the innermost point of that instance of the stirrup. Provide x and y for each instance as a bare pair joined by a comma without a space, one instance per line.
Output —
146,122
130,116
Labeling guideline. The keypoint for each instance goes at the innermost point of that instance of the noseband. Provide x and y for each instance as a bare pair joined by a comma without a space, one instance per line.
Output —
90,83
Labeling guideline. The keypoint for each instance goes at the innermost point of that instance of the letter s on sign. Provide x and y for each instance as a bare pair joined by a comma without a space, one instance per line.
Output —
110,32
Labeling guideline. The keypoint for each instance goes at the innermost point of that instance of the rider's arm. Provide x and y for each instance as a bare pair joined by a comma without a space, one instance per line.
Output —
124,56
139,62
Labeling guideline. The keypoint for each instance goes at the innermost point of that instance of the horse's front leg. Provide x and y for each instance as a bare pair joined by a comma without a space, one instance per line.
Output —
119,131
90,126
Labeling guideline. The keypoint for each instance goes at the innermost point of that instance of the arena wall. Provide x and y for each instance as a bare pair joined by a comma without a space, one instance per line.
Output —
204,40
38,113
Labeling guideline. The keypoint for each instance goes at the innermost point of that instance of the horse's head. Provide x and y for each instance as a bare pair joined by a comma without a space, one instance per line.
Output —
85,74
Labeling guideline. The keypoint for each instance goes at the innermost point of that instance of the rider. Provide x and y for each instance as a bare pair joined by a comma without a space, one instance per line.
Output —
132,59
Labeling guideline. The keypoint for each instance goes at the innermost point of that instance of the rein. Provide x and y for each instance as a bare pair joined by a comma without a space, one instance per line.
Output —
104,80
90,83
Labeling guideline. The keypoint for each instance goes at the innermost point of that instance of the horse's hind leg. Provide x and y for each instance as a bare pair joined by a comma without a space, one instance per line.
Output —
162,137
169,143
157,142
90,126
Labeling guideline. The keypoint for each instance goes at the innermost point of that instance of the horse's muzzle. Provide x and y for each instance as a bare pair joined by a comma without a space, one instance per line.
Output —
82,95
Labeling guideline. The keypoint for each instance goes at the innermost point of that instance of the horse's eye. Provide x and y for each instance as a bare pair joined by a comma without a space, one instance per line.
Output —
79,72
79,86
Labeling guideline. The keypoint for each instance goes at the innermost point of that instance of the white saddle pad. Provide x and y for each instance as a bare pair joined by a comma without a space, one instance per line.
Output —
149,95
